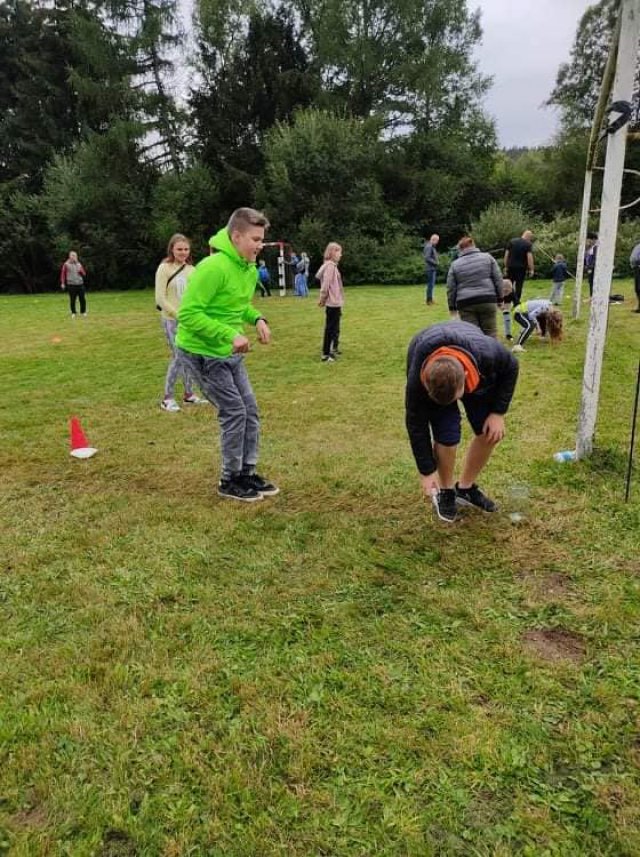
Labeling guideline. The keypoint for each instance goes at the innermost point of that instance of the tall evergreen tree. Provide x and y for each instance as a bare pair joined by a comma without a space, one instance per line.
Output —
249,83
38,115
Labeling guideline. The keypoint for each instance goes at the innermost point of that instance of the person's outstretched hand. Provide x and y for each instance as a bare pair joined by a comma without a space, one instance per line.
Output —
263,331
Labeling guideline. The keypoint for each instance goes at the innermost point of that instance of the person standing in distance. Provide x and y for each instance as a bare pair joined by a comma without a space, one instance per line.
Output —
72,276
634,260
431,261
446,363
332,299
474,287
518,262
590,256
211,339
171,282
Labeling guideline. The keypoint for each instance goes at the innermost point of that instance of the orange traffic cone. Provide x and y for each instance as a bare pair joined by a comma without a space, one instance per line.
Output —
79,444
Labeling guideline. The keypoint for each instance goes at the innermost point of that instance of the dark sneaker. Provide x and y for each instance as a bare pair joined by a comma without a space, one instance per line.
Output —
261,485
473,496
444,502
237,489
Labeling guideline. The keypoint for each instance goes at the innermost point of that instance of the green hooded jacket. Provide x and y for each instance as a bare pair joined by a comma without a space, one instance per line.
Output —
217,301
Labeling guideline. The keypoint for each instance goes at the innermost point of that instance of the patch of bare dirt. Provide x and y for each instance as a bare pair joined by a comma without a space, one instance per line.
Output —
31,818
548,587
554,645
117,843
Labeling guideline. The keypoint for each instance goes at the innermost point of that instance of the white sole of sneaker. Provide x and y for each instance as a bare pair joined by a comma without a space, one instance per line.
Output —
270,493
436,508
240,499
460,501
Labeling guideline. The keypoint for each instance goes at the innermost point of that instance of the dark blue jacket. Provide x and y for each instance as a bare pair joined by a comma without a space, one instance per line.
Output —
498,370
559,272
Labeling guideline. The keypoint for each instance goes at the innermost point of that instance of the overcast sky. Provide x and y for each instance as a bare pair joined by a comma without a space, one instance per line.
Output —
522,46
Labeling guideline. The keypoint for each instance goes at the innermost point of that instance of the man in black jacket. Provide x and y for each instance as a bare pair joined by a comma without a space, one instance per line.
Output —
447,363
518,261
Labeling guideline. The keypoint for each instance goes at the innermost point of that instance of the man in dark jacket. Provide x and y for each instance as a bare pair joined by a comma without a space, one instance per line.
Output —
518,261
447,363
430,255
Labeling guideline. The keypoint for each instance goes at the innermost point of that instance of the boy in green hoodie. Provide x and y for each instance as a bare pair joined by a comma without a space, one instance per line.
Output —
211,319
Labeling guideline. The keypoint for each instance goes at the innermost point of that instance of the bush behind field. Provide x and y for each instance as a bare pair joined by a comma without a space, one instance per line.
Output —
502,221
560,235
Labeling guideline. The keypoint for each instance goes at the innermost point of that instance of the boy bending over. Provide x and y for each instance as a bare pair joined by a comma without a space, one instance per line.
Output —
446,363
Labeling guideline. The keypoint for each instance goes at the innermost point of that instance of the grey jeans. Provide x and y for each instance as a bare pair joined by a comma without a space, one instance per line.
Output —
176,367
225,383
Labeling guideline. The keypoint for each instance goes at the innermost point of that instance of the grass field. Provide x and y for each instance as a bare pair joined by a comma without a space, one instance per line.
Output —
329,672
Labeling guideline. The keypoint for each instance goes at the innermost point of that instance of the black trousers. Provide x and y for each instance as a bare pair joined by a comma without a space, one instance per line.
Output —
517,276
525,321
76,292
331,330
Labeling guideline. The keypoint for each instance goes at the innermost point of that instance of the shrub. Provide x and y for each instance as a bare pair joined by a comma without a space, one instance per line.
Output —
499,223
560,235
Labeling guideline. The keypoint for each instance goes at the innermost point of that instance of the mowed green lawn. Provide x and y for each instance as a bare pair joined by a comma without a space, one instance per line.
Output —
330,672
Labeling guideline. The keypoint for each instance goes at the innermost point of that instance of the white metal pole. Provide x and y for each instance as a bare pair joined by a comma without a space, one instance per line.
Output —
582,241
282,277
611,190
592,154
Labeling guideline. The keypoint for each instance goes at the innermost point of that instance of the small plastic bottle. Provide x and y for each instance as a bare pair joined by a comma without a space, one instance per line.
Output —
565,455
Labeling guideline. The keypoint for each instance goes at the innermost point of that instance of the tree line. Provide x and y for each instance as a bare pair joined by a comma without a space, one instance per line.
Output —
354,120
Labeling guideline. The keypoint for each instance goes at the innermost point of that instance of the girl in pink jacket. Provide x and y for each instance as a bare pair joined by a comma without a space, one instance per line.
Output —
332,298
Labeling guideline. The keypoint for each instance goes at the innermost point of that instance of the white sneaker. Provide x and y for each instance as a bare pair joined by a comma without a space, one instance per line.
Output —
194,400
170,405
73,315
517,348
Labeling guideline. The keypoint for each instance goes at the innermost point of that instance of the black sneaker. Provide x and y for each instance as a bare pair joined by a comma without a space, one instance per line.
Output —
237,489
444,502
473,496
261,485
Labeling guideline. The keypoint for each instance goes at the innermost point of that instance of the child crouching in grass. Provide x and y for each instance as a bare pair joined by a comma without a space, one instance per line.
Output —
540,315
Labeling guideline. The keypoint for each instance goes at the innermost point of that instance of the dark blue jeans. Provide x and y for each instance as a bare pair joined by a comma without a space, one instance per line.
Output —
431,281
